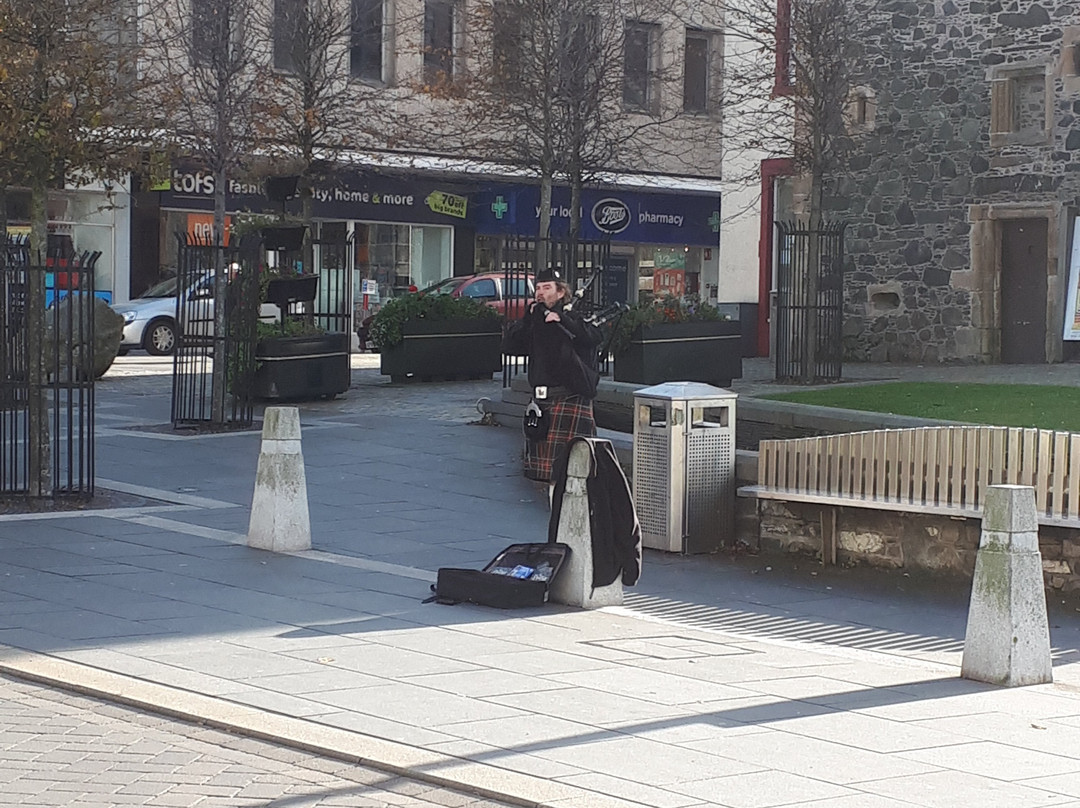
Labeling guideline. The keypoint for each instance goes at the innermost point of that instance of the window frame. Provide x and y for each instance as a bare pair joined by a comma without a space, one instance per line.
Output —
440,67
1004,129
507,43
282,56
709,101
784,76
358,35
203,18
650,101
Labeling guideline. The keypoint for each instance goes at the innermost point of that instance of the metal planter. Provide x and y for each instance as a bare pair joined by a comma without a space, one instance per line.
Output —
468,349
708,351
300,368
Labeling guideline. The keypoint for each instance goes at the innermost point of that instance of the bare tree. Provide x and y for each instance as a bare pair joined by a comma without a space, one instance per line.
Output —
549,92
789,76
69,96
206,55
314,108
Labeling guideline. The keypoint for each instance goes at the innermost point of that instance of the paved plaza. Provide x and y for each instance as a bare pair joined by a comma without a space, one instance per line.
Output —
735,681
63,749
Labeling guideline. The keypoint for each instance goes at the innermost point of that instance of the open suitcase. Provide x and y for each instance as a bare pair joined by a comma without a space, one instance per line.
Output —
518,577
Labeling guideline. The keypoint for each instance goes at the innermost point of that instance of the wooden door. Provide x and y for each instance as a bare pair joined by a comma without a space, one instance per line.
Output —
1023,290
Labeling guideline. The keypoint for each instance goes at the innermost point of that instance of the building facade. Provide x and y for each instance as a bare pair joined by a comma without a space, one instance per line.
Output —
963,187
416,213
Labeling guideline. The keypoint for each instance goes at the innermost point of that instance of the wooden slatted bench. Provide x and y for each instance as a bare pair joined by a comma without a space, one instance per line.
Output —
940,470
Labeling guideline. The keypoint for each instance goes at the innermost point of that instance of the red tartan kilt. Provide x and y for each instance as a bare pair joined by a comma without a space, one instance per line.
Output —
571,417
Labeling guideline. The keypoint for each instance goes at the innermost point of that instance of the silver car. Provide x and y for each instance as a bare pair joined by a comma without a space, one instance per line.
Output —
150,319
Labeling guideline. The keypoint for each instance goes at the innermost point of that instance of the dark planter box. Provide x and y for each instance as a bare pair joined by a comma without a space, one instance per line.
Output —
301,367
708,352
455,348
301,289
747,315
289,239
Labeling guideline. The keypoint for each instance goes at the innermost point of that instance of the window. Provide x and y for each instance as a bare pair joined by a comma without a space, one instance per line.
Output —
508,43
366,40
518,288
578,58
439,36
288,18
784,80
861,110
483,289
639,44
1029,104
1019,105
696,72
206,17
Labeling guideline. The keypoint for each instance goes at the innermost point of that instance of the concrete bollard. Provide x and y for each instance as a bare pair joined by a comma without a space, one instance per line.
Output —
574,586
1008,638
279,509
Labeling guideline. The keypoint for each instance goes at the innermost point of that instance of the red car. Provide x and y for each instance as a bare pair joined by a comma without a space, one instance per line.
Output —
511,299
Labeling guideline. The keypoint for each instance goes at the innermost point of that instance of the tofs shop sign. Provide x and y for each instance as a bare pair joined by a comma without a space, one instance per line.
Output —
629,216
355,195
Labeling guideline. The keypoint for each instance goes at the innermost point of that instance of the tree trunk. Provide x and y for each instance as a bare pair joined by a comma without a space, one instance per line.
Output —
39,445
543,232
307,256
575,226
813,278
218,378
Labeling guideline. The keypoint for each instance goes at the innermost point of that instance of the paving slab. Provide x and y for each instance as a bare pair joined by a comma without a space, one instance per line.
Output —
723,680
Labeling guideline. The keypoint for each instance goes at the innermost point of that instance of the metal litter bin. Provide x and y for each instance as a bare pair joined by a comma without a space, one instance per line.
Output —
684,466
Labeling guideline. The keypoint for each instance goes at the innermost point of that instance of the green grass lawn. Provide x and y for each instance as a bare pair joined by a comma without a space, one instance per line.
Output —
999,404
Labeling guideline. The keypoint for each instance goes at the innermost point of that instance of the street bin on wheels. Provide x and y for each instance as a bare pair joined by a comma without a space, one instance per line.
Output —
684,466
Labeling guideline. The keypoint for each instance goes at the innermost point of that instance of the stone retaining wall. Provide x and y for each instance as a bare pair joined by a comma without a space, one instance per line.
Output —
917,543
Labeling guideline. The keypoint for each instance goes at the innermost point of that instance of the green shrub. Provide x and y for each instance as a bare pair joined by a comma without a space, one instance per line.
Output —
386,325
660,310
294,327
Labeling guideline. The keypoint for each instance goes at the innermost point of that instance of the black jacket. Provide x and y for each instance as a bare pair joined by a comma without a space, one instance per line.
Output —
559,353
616,534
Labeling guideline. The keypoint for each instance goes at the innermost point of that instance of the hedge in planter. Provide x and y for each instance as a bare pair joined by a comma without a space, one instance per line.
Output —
674,339
305,367
437,336
295,360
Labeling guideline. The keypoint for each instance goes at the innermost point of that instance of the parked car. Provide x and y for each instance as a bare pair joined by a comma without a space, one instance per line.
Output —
511,299
150,319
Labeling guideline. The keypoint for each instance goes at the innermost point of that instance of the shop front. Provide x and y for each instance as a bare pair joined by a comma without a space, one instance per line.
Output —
383,234
87,226
661,242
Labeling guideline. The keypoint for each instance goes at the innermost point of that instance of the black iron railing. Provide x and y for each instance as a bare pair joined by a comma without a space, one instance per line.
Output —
197,345
809,302
46,373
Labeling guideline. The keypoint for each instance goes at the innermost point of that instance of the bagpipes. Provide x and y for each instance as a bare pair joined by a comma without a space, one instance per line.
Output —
597,316
594,314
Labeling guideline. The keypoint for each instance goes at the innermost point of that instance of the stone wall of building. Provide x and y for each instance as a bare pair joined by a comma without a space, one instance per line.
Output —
917,543
917,289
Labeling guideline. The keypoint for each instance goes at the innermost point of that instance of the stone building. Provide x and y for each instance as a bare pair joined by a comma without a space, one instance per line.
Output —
964,185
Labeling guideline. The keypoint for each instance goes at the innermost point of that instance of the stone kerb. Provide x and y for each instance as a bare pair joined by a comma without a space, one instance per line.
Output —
573,586
1008,636
280,520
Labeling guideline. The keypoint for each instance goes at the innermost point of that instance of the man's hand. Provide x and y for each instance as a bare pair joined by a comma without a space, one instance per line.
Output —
552,317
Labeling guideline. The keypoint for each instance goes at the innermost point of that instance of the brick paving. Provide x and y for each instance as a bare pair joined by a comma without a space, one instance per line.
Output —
61,749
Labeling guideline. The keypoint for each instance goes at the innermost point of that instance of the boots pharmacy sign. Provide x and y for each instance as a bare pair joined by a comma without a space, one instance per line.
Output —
611,216
643,217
